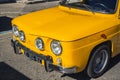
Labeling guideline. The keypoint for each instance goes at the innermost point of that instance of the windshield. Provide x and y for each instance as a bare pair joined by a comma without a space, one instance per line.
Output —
103,6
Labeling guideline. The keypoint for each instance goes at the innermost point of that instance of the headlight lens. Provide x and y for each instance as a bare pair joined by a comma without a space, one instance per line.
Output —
39,44
56,47
22,36
15,31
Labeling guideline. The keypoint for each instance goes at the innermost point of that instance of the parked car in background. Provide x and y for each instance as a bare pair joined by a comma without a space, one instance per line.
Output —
78,35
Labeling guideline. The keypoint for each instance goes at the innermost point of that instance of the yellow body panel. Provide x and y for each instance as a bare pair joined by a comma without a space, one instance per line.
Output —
78,31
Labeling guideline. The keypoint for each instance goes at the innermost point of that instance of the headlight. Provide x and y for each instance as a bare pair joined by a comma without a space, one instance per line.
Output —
56,47
22,36
39,44
15,31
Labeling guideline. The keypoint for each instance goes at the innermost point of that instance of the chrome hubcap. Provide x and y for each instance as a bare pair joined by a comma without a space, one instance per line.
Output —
100,61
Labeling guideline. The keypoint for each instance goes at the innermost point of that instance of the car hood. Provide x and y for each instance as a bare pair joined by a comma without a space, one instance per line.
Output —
61,24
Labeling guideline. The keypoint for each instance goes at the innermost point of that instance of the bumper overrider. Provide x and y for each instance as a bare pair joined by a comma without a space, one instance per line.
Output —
48,61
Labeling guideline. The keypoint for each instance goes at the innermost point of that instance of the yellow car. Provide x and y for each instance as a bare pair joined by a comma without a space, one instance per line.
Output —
77,35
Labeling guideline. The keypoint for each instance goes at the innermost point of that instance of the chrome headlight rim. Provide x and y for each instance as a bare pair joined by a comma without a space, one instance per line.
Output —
42,43
59,46
22,36
15,28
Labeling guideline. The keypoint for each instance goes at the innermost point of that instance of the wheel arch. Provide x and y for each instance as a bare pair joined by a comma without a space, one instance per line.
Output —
109,43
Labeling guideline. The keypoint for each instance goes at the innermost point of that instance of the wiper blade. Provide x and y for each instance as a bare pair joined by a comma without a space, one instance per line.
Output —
88,7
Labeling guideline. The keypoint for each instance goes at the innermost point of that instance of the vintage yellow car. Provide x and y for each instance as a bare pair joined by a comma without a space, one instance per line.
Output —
77,35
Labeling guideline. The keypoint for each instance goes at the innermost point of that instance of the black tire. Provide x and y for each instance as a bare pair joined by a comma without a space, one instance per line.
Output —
99,61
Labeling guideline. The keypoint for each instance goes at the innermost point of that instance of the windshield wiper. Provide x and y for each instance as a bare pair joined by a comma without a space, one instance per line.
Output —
88,7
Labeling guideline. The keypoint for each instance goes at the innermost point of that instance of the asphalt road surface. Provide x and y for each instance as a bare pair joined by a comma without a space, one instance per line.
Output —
19,67
15,9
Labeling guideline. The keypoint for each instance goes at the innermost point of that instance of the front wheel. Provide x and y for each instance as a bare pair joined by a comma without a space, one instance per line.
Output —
99,61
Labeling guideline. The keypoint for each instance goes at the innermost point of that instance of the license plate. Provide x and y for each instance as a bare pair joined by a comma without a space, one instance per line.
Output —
33,57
